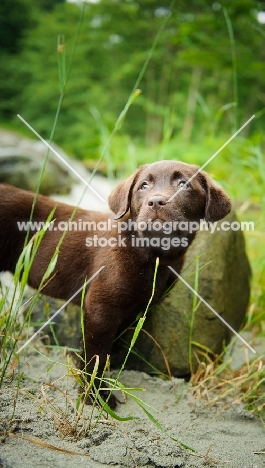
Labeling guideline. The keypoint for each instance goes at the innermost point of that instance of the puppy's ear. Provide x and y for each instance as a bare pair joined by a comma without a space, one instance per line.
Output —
218,205
120,198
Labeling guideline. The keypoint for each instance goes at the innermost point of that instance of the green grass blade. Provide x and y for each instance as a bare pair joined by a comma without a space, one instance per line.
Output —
161,429
112,413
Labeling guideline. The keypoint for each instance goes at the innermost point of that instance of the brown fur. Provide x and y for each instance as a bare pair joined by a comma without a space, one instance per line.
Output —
124,286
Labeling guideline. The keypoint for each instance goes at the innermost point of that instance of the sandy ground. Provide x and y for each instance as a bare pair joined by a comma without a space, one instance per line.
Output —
222,436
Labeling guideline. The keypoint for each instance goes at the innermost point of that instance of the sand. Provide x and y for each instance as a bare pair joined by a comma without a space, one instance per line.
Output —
222,435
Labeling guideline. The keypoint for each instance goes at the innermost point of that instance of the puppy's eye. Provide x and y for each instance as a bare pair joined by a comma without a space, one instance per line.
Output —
144,186
183,183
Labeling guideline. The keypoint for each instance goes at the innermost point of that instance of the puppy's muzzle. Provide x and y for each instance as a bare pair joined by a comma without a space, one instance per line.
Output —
157,202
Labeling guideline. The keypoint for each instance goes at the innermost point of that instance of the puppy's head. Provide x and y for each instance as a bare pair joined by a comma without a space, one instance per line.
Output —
169,191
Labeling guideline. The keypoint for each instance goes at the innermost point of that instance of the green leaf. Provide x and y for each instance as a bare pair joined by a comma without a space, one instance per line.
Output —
51,267
112,413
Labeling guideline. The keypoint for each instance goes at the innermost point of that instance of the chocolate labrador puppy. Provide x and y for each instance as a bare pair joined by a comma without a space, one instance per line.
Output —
157,211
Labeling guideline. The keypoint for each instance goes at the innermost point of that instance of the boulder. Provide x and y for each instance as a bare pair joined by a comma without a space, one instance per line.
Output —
22,159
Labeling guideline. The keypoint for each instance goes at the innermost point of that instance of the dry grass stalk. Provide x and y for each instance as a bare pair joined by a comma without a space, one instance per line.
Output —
218,383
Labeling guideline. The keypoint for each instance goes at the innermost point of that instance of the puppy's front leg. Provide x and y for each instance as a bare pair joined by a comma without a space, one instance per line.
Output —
101,322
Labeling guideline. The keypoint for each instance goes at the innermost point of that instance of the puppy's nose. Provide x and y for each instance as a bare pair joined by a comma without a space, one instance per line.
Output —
157,202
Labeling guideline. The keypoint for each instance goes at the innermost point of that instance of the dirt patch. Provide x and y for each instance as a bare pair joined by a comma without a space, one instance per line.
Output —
222,436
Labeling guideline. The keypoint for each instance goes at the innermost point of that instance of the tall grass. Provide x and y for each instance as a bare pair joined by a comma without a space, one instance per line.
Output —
12,317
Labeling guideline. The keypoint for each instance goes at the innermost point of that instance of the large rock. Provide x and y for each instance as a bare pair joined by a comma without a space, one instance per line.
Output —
22,159
184,330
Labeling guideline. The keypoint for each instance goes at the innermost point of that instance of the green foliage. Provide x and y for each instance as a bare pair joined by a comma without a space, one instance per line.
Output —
15,19
190,79
11,327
